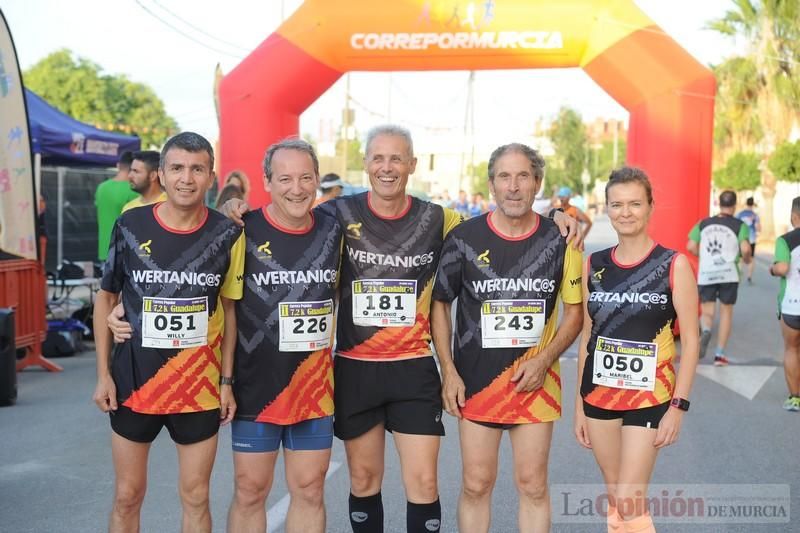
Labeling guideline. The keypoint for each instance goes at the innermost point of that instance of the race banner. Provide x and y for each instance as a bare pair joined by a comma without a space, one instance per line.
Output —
18,203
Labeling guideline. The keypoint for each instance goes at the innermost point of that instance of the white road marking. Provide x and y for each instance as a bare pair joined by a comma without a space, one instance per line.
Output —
276,515
744,380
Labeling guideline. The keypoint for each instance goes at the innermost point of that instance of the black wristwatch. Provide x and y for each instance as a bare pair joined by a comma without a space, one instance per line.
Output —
552,212
226,380
680,403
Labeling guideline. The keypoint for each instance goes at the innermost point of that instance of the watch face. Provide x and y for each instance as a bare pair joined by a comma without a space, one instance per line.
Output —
680,403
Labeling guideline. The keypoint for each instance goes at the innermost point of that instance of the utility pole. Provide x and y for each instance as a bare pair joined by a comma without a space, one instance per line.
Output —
389,100
346,125
469,126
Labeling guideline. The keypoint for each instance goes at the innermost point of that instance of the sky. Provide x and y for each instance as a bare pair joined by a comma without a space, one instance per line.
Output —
174,45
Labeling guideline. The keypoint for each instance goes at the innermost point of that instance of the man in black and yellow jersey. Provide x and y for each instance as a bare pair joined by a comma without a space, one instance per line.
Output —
177,265
283,371
511,270
385,375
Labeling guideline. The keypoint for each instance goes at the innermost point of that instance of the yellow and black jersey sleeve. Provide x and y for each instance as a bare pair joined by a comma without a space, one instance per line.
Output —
571,291
451,220
232,286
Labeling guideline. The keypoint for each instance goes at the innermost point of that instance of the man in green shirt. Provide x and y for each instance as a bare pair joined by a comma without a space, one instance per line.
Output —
109,198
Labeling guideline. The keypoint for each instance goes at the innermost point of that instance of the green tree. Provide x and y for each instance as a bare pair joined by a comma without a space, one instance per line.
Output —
740,173
736,122
570,144
601,159
773,82
785,162
79,88
355,156
480,178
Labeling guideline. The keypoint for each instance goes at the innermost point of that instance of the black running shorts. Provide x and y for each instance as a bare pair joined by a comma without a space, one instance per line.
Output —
724,292
404,396
184,428
793,321
646,417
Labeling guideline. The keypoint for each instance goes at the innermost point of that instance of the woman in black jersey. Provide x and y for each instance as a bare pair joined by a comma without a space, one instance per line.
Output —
630,403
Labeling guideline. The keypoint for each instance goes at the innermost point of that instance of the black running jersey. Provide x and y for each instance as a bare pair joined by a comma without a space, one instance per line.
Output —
171,282
283,372
631,349
508,294
388,267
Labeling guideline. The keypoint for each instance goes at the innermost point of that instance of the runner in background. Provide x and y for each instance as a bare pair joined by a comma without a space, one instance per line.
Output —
719,241
787,266
751,218
565,195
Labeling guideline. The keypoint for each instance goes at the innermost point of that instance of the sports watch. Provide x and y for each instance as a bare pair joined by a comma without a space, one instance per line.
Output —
680,403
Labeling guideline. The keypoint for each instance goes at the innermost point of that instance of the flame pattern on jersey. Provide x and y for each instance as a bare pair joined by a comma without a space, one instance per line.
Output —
169,381
475,257
645,320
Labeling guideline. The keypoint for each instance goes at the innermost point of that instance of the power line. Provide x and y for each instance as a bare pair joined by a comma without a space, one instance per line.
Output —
232,45
166,23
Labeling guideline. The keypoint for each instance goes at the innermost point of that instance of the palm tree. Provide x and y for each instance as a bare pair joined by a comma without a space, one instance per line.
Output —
772,32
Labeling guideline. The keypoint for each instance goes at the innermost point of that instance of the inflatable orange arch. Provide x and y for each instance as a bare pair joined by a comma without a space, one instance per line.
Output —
670,96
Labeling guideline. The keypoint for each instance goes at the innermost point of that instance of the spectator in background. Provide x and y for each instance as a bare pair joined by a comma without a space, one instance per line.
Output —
461,205
144,179
331,186
238,179
446,200
565,194
750,218
231,190
109,198
478,206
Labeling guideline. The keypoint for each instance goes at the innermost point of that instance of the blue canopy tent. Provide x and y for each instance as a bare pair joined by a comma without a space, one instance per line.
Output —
71,150
63,141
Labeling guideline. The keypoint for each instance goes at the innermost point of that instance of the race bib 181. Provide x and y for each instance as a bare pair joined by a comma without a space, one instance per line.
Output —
305,326
384,302
512,323
174,322
625,364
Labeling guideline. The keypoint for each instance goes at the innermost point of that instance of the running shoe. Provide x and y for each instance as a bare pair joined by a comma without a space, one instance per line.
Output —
720,360
705,338
792,403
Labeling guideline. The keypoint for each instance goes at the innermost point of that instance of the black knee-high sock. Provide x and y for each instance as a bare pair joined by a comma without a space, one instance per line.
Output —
366,514
423,517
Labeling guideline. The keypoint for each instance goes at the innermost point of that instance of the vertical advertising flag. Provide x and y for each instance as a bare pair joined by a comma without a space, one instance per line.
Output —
18,205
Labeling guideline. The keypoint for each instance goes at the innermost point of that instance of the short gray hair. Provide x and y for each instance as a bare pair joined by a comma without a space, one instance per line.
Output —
289,144
537,161
389,129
